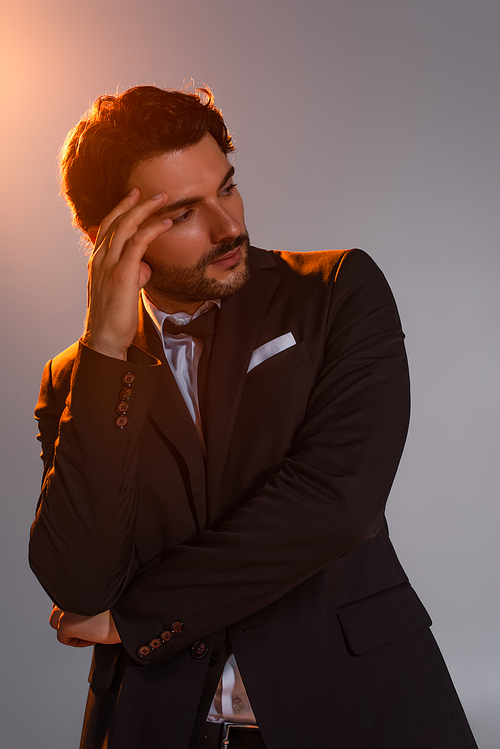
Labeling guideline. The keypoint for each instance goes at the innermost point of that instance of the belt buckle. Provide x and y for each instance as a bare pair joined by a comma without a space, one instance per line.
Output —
226,727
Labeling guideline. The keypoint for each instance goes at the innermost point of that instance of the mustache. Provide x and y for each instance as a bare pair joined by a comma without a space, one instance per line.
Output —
223,248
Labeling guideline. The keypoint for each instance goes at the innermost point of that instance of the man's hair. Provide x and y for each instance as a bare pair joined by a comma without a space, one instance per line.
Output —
119,132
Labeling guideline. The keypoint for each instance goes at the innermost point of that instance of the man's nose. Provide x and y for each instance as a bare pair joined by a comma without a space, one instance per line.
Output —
224,226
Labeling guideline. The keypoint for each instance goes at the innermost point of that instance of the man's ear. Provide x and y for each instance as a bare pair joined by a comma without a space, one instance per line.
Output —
91,233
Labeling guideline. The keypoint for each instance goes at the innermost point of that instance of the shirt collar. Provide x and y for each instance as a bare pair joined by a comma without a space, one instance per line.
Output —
178,318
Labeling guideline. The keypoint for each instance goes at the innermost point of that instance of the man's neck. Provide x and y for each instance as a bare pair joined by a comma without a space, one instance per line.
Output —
170,306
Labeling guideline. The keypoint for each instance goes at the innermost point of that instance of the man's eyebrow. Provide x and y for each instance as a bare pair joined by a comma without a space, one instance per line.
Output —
171,207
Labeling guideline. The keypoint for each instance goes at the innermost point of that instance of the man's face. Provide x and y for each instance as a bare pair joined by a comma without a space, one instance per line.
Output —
204,254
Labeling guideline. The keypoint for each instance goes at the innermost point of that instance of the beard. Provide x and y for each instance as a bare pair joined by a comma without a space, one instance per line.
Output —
190,284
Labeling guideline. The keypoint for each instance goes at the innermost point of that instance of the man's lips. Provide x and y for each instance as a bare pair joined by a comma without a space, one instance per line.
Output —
228,260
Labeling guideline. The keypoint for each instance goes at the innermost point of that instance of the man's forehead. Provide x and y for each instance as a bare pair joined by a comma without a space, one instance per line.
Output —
184,172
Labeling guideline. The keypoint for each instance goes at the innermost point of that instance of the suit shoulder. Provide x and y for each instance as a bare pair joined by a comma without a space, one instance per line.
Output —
62,365
323,264
56,380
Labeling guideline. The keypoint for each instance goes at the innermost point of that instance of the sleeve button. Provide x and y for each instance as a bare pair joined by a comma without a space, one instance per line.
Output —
121,422
144,651
122,407
128,378
155,643
177,627
199,649
125,394
166,636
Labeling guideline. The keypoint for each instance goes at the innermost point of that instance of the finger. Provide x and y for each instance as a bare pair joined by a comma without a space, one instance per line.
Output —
124,205
66,629
54,617
64,639
123,260
126,219
74,642
136,245
128,271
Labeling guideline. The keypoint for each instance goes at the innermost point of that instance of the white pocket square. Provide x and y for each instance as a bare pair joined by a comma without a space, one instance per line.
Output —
270,349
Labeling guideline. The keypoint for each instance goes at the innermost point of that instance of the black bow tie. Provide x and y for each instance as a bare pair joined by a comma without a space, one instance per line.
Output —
201,327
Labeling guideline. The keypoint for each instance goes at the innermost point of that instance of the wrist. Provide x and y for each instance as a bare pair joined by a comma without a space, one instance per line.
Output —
105,347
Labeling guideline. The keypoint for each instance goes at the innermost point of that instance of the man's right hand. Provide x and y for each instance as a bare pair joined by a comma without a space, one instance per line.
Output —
83,631
117,273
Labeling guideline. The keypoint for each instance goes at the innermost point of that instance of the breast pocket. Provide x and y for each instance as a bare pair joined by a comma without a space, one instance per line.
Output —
275,366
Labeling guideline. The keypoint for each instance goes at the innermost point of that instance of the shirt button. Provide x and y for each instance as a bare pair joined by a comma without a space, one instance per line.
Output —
120,422
125,394
237,704
128,378
122,407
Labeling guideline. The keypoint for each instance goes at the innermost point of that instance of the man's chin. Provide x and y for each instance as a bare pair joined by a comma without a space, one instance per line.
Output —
229,280
195,286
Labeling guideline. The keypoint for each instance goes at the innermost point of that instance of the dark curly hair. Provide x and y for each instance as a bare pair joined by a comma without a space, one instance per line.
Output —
119,132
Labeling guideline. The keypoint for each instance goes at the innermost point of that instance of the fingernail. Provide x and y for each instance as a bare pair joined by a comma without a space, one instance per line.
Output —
132,192
158,196
167,221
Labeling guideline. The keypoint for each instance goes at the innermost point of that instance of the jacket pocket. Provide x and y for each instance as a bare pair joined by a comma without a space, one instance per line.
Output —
276,365
382,618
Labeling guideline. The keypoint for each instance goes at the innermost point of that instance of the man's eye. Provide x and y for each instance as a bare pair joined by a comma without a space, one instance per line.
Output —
182,218
229,189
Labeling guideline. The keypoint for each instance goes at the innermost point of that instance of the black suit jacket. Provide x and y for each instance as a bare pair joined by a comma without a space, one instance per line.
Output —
278,539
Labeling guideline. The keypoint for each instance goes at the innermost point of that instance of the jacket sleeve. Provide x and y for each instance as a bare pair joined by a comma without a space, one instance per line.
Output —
327,497
81,546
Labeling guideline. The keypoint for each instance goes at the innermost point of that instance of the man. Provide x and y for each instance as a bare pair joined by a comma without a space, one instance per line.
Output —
212,512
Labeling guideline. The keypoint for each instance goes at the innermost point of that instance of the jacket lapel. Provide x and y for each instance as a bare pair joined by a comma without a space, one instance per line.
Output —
240,319
170,415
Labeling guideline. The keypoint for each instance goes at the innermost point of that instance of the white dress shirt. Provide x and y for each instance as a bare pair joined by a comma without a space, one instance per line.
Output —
183,353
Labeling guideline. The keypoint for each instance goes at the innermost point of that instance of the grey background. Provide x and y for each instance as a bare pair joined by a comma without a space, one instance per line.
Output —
369,123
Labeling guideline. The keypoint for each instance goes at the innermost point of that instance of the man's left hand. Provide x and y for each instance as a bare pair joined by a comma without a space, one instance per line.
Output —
83,631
